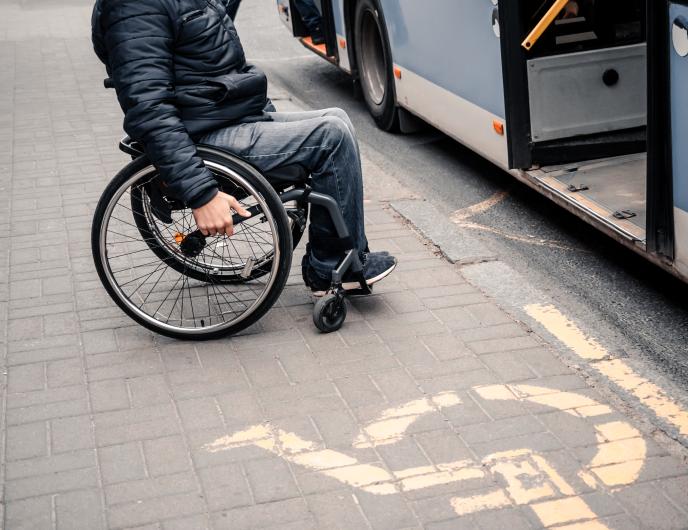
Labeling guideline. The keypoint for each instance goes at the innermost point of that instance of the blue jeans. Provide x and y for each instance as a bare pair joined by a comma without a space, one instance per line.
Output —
307,9
309,14
324,143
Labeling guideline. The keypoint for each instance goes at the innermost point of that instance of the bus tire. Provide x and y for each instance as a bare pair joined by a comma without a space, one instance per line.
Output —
374,61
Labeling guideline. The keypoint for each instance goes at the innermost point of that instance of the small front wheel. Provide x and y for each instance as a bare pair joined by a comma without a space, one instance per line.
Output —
329,313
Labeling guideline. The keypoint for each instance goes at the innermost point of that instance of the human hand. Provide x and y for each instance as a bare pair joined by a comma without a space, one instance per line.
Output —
571,10
215,217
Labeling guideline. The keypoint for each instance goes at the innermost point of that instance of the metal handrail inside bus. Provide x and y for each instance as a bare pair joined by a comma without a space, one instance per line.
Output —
545,22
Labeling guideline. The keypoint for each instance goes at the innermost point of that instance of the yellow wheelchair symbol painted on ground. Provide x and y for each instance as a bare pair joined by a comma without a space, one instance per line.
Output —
529,478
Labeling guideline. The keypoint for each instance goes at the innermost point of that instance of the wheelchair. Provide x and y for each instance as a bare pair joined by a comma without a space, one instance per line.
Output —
167,276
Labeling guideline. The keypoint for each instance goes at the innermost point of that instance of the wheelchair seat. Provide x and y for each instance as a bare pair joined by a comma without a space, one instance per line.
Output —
280,177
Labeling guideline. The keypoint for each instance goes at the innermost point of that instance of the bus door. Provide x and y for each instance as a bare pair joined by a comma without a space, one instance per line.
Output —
578,91
668,131
576,105
292,18
678,21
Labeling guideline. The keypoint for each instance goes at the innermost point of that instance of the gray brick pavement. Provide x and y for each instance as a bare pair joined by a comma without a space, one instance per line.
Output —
107,426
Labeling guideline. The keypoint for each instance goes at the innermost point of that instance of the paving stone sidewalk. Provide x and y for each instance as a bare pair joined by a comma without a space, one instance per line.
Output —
431,408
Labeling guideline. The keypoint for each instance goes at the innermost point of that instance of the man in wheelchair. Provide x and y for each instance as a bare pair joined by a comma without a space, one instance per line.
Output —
182,79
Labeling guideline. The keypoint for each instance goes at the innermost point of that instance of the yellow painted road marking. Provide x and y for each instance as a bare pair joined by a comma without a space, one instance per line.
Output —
646,392
452,472
552,474
629,450
529,478
616,430
569,402
481,207
618,462
344,468
549,243
478,503
563,511
621,450
616,370
587,525
567,332
394,422
461,218
524,479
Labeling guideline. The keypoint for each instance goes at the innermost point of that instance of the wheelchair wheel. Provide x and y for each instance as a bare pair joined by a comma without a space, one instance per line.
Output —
164,238
329,313
197,288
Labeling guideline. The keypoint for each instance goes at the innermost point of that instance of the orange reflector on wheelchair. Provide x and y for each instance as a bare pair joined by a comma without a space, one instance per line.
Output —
179,238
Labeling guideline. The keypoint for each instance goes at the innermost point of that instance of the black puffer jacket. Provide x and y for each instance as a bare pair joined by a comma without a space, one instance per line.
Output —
179,70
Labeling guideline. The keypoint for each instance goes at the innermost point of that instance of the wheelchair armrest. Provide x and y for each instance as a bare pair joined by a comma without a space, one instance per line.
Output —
131,147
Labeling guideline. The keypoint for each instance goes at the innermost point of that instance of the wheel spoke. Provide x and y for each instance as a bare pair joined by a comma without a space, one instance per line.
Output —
160,281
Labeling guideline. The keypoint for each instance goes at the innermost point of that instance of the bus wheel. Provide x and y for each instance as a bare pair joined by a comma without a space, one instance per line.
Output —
374,62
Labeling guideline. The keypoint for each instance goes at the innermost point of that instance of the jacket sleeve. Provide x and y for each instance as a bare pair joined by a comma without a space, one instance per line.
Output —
97,36
139,39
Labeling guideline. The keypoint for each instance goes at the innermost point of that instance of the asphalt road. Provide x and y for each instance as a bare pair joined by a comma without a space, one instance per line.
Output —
639,310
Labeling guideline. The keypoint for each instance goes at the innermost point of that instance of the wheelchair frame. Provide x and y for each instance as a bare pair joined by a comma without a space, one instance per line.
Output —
350,261
330,311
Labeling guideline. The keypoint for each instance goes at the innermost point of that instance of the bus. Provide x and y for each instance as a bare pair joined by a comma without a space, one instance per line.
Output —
585,101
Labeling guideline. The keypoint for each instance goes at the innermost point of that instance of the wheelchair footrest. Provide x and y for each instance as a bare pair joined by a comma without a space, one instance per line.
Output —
359,292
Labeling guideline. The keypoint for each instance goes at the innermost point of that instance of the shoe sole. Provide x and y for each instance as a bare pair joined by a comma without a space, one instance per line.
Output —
352,286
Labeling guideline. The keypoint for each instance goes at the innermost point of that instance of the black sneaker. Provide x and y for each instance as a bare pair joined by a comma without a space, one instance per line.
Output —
376,266
317,36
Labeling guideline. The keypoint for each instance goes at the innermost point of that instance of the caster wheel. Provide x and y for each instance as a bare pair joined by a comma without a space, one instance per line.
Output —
329,313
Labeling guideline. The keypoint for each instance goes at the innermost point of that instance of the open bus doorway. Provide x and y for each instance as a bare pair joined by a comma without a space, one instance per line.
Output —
577,100
312,22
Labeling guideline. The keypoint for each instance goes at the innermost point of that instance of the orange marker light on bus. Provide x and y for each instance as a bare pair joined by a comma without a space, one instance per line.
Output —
397,72
498,127
342,44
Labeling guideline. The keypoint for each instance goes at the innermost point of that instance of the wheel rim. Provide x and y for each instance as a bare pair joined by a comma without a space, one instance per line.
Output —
373,64
333,313
167,298
205,263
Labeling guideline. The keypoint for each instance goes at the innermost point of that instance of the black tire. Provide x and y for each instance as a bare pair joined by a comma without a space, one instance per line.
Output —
150,228
374,64
329,313
247,301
